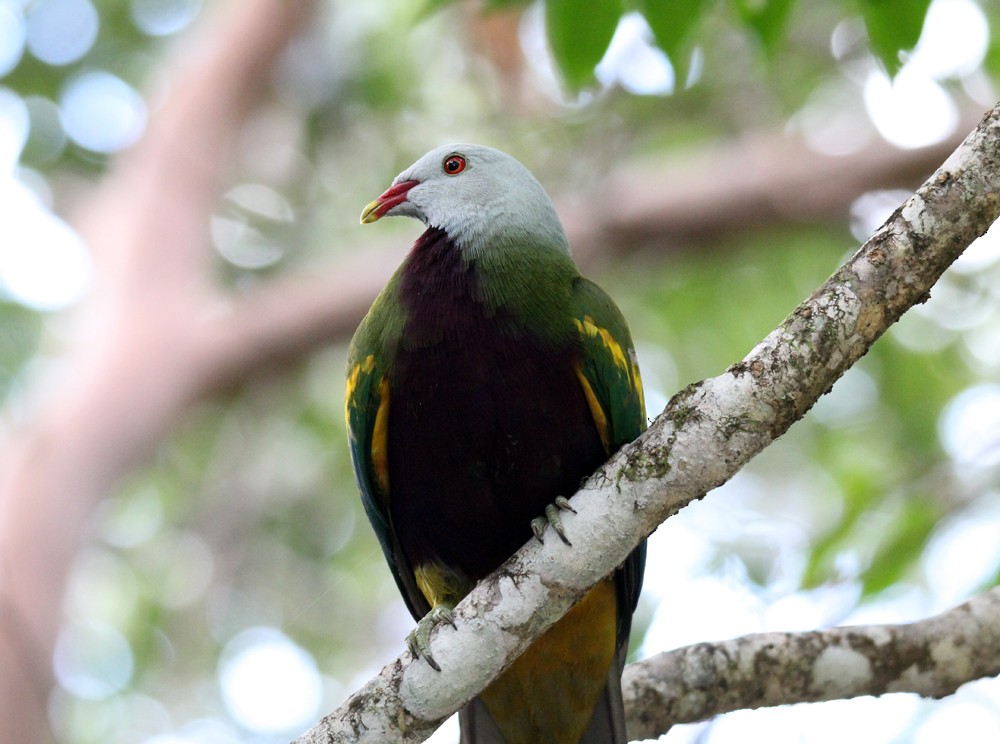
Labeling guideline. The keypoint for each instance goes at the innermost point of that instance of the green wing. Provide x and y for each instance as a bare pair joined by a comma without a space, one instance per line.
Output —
608,372
609,375
366,411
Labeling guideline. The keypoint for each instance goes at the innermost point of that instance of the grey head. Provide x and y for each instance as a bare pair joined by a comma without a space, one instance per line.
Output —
481,197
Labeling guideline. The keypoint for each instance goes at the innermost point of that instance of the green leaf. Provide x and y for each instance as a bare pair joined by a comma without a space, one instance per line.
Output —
767,19
893,26
672,23
579,33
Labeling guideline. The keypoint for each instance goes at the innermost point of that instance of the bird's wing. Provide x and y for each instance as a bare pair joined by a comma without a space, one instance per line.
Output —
608,372
609,375
366,409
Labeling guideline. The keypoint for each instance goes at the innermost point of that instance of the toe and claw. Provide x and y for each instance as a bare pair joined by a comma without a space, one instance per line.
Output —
419,639
552,517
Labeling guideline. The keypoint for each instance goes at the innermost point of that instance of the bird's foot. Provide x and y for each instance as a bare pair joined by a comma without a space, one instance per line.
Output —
419,639
553,518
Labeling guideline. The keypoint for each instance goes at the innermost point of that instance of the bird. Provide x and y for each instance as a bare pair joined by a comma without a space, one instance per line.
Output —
486,382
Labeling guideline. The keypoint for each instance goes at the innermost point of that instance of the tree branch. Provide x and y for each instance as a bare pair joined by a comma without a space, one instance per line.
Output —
760,179
707,433
932,657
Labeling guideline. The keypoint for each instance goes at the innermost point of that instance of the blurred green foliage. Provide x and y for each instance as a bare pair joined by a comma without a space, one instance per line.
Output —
580,32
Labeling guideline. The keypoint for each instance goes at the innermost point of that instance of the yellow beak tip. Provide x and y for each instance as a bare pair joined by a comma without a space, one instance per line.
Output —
369,213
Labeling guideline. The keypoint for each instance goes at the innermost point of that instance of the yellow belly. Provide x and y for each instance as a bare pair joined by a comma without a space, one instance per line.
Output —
548,694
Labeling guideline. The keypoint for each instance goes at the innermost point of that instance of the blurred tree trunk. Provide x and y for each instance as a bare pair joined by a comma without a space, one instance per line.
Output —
149,345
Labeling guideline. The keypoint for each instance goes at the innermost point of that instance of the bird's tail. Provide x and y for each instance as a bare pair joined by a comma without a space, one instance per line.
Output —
607,723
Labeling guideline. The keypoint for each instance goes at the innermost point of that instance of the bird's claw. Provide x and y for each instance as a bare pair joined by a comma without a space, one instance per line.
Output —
553,518
419,639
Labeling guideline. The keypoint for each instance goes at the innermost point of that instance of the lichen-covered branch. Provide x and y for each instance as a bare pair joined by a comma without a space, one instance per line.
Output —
933,658
706,434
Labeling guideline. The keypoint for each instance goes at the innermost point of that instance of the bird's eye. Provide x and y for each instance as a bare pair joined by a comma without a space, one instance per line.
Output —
454,164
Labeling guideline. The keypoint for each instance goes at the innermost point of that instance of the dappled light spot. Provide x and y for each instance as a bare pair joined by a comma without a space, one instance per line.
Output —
919,332
969,426
163,17
910,111
913,110
954,40
963,554
833,121
104,586
102,112
14,123
870,210
982,254
244,234
851,400
12,36
44,264
269,683
633,62
958,305
92,660
133,520
61,31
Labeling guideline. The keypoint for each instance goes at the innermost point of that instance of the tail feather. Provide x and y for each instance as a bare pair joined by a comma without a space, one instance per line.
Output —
477,725
607,723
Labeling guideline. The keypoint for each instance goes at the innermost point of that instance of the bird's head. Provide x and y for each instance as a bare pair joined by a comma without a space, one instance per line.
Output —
481,197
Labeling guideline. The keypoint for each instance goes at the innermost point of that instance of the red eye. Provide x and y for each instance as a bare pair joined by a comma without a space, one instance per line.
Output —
454,164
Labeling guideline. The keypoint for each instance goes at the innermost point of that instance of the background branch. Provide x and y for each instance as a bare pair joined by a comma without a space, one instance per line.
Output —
932,657
763,178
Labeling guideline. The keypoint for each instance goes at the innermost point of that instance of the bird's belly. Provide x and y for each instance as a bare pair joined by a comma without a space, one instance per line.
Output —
480,440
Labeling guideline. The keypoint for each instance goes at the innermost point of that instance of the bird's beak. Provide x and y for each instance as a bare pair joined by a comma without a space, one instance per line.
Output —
395,195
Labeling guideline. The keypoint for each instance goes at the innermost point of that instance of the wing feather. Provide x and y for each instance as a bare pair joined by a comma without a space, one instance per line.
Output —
608,371
366,410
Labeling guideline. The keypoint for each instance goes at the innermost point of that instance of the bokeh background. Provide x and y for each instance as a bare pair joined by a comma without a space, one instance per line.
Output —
228,588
